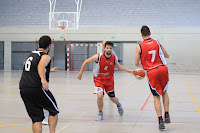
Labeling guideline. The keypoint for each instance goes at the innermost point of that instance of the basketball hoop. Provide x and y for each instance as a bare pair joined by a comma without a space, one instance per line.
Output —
68,20
62,27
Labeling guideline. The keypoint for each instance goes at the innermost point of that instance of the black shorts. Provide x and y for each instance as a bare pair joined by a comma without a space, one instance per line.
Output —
37,99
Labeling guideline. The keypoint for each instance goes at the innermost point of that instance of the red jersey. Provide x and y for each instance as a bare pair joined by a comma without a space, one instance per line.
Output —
104,68
151,54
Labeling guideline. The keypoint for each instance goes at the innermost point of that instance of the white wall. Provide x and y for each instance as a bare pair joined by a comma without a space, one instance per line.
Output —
182,44
129,51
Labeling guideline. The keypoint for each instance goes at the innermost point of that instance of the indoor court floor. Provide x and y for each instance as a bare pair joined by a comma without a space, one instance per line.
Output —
78,107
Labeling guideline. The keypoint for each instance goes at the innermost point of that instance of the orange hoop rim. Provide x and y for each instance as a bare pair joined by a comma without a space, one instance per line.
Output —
62,27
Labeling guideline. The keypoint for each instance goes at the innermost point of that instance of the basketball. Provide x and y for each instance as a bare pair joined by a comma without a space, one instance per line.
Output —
139,73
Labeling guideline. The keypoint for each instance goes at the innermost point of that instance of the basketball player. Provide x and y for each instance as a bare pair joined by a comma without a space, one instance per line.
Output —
103,71
34,87
152,56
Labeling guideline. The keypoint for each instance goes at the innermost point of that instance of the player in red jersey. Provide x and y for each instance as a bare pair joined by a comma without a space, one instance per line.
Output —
103,71
152,56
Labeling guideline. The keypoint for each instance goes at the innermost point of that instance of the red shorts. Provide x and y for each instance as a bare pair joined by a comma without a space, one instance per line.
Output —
107,85
158,79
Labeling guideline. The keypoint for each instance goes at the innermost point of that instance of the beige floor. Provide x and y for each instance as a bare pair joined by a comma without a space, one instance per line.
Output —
78,109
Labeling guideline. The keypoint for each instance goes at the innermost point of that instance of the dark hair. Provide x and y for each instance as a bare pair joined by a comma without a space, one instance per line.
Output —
109,43
145,30
44,42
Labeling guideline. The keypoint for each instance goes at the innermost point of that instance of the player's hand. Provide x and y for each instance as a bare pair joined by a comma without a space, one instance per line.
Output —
132,72
55,69
45,85
79,76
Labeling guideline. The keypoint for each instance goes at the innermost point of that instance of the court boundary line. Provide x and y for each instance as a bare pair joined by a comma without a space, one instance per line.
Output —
146,102
16,127
192,94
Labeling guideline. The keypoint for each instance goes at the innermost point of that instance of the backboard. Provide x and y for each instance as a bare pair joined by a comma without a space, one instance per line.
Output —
68,20
64,20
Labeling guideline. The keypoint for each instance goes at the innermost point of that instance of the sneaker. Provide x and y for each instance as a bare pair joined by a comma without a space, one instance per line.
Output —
44,122
167,119
100,117
46,115
161,125
120,109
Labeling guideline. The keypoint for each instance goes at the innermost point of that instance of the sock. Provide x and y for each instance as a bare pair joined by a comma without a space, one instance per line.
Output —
166,114
118,105
160,119
100,112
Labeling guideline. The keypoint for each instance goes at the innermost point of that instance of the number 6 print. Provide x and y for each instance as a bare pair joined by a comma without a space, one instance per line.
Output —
28,63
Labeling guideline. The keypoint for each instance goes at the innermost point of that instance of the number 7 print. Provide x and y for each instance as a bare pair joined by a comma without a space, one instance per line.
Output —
153,52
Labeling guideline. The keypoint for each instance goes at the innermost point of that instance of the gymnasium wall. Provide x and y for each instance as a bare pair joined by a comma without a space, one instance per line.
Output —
104,13
182,44
176,23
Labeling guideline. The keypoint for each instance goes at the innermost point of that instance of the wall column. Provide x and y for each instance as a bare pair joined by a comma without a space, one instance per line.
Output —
7,55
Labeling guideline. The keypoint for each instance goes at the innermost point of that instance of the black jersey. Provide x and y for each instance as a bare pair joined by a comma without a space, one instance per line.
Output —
30,76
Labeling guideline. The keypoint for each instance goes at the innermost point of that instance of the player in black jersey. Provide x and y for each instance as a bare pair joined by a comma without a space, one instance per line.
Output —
34,87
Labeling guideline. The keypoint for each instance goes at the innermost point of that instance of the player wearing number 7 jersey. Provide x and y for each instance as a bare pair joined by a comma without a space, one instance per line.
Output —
103,72
34,88
152,56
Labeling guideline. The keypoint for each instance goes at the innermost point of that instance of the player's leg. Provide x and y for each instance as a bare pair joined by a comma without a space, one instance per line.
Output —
156,89
111,93
100,100
48,102
114,100
100,105
34,111
164,80
119,106
37,127
52,123
99,88
158,108
166,106
165,101
157,105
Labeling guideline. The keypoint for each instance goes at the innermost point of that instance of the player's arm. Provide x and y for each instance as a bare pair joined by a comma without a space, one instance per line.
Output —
89,60
122,68
44,61
166,55
54,69
137,56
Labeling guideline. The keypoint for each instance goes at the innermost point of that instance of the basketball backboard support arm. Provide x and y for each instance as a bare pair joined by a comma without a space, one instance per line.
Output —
52,8
52,5
78,7
68,20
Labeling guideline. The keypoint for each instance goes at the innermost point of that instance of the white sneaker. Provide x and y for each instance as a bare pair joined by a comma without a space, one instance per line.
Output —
45,122
120,109
46,115
100,117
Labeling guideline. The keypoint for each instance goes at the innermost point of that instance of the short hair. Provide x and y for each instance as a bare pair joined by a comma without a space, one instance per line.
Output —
145,30
44,42
109,43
